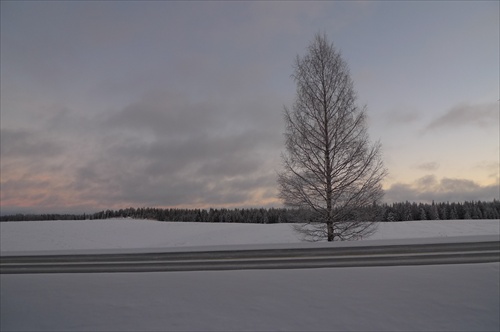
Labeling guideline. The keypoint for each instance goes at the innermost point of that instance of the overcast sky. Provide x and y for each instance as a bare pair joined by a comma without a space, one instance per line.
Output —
179,104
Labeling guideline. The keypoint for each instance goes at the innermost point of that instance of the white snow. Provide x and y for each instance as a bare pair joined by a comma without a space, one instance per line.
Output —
411,298
135,234
432,298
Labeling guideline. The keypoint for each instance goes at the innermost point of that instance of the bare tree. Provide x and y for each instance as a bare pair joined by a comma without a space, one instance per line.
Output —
331,171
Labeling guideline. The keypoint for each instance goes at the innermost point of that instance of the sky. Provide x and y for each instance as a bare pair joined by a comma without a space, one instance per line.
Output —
111,104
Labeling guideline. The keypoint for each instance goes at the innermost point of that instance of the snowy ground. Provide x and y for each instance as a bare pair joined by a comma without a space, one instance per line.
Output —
129,233
416,298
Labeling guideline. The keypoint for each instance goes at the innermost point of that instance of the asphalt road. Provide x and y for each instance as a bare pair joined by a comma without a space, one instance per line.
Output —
391,255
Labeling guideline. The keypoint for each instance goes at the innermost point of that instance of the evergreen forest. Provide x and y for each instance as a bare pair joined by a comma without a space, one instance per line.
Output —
405,211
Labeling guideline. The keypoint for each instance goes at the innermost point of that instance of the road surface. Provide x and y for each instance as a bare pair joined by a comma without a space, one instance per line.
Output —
386,255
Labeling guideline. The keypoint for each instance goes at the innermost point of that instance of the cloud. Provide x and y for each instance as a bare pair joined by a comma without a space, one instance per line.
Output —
428,188
428,166
28,144
165,114
490,167
479,115
165,150
399,116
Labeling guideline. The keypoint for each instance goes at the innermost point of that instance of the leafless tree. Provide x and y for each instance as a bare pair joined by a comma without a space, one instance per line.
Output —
331,171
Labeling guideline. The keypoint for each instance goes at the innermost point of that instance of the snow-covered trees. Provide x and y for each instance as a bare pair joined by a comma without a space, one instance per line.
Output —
395,212
440,211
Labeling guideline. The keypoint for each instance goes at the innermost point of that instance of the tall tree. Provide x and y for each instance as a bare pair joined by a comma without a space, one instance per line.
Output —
331,170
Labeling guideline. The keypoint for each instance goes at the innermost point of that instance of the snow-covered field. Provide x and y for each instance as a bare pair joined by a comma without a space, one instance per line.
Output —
415,298
136,234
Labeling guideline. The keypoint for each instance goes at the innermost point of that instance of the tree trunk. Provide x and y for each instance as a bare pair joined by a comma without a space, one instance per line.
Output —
328,167
330,230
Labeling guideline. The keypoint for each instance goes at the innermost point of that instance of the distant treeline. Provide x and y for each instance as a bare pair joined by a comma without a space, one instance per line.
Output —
441,211
386,212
